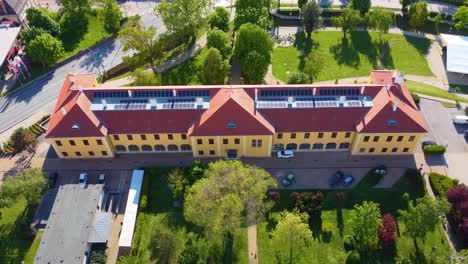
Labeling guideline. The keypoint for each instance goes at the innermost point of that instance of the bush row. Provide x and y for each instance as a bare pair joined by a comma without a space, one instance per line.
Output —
434,150
441,184
7,148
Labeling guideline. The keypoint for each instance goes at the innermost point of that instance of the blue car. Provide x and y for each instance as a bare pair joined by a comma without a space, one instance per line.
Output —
336,179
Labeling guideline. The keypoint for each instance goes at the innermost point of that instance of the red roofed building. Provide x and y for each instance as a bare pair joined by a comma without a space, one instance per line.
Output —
233,121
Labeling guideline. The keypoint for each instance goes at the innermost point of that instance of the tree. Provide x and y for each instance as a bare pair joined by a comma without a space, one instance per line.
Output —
37,18
380,20
74,25
274,196
31,33
143,78
257,16
23,138
311,19
362,5
349,20
293,234
184,17
405,4
298,78
387,231
242,4
111,15
29,183
314,64
418,14
301,3
423,216
190,254
45,49
253,48
231,194
214,69
219,19
461,17
76,5
310,203
97,257
437,20
365,220
165,244
177,183
149,49
220,40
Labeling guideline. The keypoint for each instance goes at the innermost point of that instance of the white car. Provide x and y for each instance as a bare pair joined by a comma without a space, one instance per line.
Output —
83,179
285,154
102,178
463,120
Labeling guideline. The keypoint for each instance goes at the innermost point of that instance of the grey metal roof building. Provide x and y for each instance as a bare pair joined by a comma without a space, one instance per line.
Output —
74,223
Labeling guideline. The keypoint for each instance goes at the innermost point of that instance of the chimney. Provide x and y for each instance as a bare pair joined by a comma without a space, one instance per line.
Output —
64,112
72,80
80,88
3,7
388,87
395,106
362,90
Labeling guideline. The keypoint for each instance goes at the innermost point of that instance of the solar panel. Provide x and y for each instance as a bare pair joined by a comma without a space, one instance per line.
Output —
183,105
131,105
111,94
272,104
353,103
305,104
158,93
166,105
288,92
193,93
343,91
326,104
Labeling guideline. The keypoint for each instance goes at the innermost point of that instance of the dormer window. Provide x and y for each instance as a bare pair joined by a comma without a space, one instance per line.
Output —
232,124
76,126
392,122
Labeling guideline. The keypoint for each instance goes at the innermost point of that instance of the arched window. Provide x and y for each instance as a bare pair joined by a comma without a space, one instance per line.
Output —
172,147
185,147
159,148
317,146
304,146
278,147
146,148
291,146
120,148
343,146
331,146
133,148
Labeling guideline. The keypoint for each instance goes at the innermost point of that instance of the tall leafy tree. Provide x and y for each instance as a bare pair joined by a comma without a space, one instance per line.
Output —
29,183
241,4
220,40
405,4
349,20
314,64
149,48
76,5
45,49
362,5
253,48
311,19
215,69
219,19
258,16
23,138
231,194
177,183
418,14
301,3
423,216
37,18
31,33
165,243
461,17
380,20
293,234
184,17
298,78
111,15
365,220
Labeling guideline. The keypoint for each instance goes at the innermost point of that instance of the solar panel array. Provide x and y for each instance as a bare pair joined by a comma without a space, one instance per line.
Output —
193,93
326,103
354,103
272,104
111,94
131,105
344,91
158,93
288,92
305,104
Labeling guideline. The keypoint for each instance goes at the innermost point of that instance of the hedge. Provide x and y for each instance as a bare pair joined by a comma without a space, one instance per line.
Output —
441,184
416,98
434,150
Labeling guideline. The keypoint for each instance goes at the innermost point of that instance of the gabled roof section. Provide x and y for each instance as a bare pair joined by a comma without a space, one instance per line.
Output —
231,112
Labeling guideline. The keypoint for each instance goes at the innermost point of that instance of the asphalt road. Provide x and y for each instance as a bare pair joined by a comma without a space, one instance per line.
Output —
40,94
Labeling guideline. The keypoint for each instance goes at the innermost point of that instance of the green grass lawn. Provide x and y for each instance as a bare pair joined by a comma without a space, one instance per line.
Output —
186,73
332,251
31,254
160,211
16,237
422,88
354,57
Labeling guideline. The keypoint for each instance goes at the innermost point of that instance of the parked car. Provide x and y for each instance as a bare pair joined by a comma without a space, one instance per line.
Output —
336,179
428,143
53,180
83,179
348,180
287,181
285,154
465,133
102,178
460,119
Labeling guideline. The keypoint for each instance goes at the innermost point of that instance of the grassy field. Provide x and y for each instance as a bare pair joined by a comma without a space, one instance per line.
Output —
422,88
16,237
354,57
186,73
160,211
31,254
332,251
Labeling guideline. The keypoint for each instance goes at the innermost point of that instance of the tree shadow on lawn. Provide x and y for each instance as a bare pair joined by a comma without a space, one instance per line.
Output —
304,45
315,225
182,74
344,53
339,221
364,44
74,32
421,44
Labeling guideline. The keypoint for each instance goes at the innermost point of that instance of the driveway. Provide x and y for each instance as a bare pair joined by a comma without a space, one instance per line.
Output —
442,130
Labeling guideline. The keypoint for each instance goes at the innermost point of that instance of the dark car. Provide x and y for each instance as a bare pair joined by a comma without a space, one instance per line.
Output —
53,180
465,133
428,143
336,179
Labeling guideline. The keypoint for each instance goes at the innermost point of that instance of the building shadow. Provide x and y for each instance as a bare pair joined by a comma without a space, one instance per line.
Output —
435,160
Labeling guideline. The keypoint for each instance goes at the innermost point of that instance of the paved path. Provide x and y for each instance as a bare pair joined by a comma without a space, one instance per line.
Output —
252,244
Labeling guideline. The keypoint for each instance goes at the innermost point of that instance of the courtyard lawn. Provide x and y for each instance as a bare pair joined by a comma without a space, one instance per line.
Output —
187,72
429,90
332,251
160,210
354,57
16,237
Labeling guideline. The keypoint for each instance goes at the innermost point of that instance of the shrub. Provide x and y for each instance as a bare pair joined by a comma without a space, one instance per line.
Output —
97,257
434,150
416,98
387,231
463,231
23,138
294,196
299,78
353,257
440,183
310,203
349,243
274,196
327,228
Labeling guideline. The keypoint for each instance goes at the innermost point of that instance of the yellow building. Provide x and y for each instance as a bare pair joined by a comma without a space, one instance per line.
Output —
379,118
